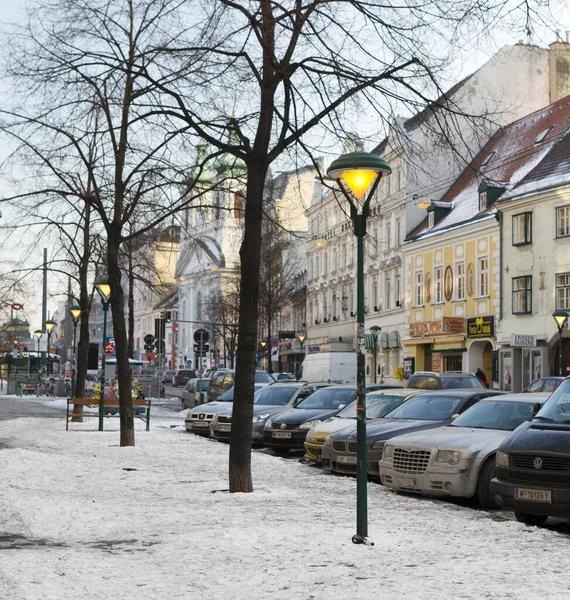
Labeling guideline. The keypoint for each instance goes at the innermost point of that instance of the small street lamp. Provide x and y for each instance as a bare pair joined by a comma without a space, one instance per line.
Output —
104,289
355,173
15,342
375,331
561,318
75,312
301,337
263,344
49,325
38,333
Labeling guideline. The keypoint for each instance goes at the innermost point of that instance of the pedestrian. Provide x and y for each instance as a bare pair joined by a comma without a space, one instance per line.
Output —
479,373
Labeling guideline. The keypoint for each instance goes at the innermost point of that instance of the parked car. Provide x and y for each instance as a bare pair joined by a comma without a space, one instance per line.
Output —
423,411
287,430
282,377
223,379
372,387
428,380
198,419
268,401
544,384
190,395
532,476
378,404
457,460
168,375
182,376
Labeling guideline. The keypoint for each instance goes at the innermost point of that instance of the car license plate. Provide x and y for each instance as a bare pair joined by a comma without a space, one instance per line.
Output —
200,424
407,482
533,495
225,427
347,460
281,434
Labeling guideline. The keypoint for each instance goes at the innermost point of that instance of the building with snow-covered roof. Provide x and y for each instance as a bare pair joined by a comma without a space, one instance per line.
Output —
461,313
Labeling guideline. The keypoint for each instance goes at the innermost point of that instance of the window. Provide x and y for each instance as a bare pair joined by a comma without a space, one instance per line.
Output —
388,236
387,294
438,285
317,270
460,281
419,297
563,221
375,293
482,201
522,229
483,276
326,264
397,290
522,295
563,291
335,260
399,173
431,219
398,232
238,207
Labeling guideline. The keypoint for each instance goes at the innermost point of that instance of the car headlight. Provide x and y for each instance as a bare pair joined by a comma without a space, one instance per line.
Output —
268,424
259,418
502,459
328,441
310,424
388,452
215,419
451,457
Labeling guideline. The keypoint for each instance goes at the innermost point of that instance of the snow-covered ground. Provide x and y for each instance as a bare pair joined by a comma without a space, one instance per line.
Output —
82,518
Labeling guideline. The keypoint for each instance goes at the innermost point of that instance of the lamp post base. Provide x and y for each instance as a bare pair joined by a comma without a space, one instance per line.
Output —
358,539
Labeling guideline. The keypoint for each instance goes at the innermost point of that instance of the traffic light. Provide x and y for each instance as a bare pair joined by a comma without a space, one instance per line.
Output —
168,316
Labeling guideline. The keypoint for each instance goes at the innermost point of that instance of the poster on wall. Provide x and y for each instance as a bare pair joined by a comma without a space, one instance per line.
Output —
409,367
536,365
507,371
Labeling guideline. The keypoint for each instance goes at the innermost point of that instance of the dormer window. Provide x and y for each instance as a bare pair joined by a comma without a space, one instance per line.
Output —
431,219
489,193
542,136
482,201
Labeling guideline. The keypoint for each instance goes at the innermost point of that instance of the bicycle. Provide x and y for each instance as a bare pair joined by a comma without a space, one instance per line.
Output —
47,387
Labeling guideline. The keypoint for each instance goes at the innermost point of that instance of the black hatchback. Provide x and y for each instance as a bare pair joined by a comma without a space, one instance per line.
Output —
287,430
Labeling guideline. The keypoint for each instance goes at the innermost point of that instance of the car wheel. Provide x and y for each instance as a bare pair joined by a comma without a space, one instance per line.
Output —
529,519
483,493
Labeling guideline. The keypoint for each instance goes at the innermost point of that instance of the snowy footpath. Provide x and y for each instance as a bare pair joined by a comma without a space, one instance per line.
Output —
82,518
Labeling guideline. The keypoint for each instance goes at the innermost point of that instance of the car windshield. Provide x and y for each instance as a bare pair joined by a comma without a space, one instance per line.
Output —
275,395
263,377
557,408
202,385
495,414
453,383
428,407
377,405
328,398
227,396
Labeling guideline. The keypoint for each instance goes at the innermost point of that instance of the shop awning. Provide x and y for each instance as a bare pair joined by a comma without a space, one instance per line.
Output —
455,341
415,342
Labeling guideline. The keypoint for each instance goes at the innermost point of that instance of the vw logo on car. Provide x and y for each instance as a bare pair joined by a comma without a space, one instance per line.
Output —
537,462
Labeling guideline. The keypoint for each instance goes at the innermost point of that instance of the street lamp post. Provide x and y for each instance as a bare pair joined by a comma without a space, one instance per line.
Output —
49,325
375,331
38,333
75,312
561,318
355,173
15,342
104,289
301,337
263,345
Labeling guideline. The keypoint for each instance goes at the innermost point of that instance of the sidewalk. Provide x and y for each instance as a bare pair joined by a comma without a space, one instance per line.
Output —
82,518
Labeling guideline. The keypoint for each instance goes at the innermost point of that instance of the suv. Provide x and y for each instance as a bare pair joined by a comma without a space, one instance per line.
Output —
182,376
450,380
223,380
532,476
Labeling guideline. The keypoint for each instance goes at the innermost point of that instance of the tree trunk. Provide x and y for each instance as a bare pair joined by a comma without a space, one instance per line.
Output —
131,301
240,446
119,331
84,301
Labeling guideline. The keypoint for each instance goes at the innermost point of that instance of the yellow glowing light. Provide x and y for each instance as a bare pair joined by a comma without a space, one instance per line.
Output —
320,243
359,180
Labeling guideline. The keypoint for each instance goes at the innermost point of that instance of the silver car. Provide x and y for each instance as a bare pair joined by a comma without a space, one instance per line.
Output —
459,459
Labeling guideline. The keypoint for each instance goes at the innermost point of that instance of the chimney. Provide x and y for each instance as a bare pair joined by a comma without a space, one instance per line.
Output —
559,69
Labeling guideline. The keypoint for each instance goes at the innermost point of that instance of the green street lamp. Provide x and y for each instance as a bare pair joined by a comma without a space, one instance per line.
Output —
38,333
561,318
49,325
301,337
356,174
104,289
375,331
75,312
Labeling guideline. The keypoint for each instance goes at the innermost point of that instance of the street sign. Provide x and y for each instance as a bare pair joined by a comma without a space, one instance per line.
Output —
203,347
110,346
201,336
149,338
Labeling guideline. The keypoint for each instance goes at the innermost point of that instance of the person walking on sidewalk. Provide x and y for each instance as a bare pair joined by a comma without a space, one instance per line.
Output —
479,373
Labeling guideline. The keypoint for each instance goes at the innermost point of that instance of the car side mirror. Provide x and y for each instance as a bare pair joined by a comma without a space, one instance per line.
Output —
536,407
453,417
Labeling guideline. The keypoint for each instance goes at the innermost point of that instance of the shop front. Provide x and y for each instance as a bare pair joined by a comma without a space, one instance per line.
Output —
522,360
481,347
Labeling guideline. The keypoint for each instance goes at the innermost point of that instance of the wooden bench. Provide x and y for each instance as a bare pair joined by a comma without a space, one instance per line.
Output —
72,402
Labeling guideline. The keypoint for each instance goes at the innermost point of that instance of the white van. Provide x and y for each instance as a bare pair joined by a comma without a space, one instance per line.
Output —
339,367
